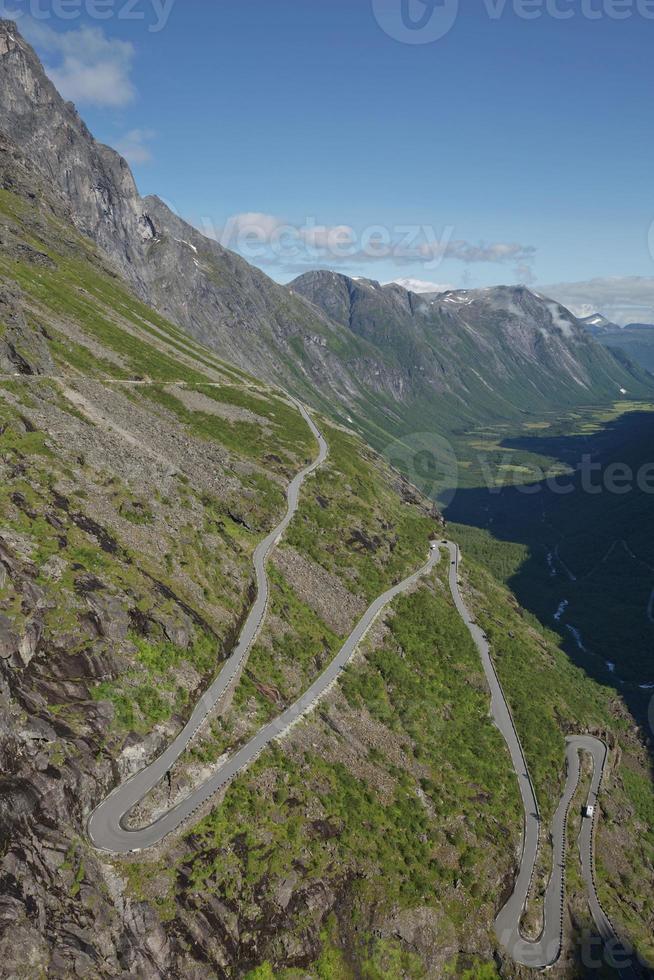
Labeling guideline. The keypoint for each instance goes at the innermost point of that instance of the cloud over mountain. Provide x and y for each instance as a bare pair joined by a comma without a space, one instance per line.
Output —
625,299
87,67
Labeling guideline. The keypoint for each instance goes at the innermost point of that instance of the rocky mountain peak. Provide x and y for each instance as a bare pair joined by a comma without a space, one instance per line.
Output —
7,36
597,323
96,180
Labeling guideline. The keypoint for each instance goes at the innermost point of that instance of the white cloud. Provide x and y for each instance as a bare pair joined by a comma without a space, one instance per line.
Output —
251,223
420,286
268,240
88,67
628,299
492,252
134,146
524,273
560,320
328,238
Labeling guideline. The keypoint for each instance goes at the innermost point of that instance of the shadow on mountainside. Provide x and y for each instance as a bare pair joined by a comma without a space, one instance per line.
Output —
589,571
588,566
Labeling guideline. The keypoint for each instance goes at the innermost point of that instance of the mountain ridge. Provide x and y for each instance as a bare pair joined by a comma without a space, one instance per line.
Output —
636,340
225,301
502,334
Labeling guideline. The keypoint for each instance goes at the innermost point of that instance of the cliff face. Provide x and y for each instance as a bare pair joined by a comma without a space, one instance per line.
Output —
94,179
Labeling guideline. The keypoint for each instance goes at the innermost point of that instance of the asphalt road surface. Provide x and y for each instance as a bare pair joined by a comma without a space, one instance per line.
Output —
106,825
545,951
107,829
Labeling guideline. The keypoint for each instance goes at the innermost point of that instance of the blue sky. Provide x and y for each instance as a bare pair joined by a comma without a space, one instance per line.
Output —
510,149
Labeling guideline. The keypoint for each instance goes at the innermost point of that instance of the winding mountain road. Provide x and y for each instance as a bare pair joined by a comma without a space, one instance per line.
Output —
107,824
545,951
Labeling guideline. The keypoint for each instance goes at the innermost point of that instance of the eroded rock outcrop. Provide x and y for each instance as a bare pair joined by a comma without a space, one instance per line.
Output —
23,347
